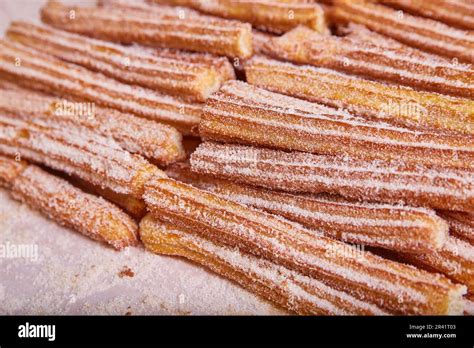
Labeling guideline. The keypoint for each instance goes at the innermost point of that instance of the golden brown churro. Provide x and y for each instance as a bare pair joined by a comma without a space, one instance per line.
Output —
396,287
401,65
423,33
270,15
158,142
33,69
397,104
350,177
246,114
190,76
68,205
389,226
153,25
289,289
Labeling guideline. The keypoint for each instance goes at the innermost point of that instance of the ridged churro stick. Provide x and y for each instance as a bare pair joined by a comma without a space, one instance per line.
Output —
160,143
246,114
372,99
381,181
33,69
392,227
423,33
270,15
83,153
288,289
189,76
155,26
68,205
401,65
393,286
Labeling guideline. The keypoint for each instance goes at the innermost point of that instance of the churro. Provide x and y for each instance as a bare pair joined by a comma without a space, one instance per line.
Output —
68,205
469,305
186,75
260,41
423,33
83,153
392,227
221,65
275,16
153,25
393,286
246,114
160,143
461,224
33,69
455,259
374,60
134,206
396,104
458,13
293,291
381,181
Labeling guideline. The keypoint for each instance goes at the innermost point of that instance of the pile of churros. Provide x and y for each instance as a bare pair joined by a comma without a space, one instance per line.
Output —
320,155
